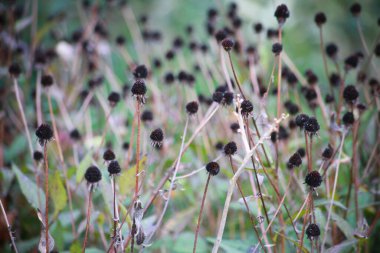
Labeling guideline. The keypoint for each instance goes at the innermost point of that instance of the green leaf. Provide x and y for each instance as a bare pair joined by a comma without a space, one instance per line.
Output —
76,247
343,225
185,242
126,181
28,188
83,165
57,192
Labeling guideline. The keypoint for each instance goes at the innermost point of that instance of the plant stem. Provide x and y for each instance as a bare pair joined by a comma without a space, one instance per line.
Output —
46,197
137,147
279,75
246,206
200,213
305,219
88,218
235,76
11,237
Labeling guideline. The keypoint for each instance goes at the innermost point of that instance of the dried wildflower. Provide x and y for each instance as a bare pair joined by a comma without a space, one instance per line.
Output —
348,119
334,79
44,133
192,107
246,108
350,93
139,90
75,135
355,9
147,116
320,18
295,160
313,179
125,145
47,81
169,78
258,27
109,155
120,40
311,126
213,168
38,156
313,231
228,44
156,137
217,97
93,175
301,119
220,35
140,72
228,98
273,136
301,152
328,152
276,48
281,13
14,70
351,62
113,98
291,107
114,168
230,148
235,127
331,50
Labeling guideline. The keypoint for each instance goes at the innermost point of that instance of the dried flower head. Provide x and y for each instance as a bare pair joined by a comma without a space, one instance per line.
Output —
140,72
228,44
328,152
313,231
313,179
276,48
47,81
38,156
44,133
246,108
301,119
109,155
350,93
75,135
157,137
192,107
113,98
213,168
281,13
14,70
311,126
295,160
93,175
348,119
320,18
114,168
230,148
139,90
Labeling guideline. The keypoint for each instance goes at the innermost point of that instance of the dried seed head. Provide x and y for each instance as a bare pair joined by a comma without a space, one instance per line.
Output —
228,44
139,90
301,152
235,127
281,13
147,116
295,159
230,148
217,97
331,50
320,18
213,168
350,93
355,9
334,79
38,156
311,126
313,231
140,72
126,145
313,179
301,119
120,40
93,175
273,136
14,70
169,78
109,155
291,107
47,81
348,119
276,48
113,98
220,35
258,27
192,107
157,136
228,98
328,152
114,168
75,135
351,62
44,133
246,108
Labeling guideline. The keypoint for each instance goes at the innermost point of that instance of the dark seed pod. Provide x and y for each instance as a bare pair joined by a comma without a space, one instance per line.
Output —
217,97
350,93
93,175
44,133
38,156
75,135
235,127
377,50
328,152
120,40
313,179
329,99
109,155
169,78
311,125
140,72
301,152
301,119
273,136
220,35
291,107
47,81
348,119
139,90
113,99
312,231
320,18
246,108
213,168
114,167
281,13
228,98
355,9
282,133
219,145
276,48
352,61
295,159
228,44
331,50
126,145
14,70
230,148
147,116
334,79
192,107
258,27
157,136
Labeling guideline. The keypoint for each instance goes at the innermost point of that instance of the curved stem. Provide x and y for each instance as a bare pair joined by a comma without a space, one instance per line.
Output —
46,197
88,219
200,213
8,227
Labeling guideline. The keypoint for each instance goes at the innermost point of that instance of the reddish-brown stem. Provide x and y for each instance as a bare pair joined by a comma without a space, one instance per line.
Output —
88,219
246,206
137,147
200,214
279,76
46,197
233,71
305,219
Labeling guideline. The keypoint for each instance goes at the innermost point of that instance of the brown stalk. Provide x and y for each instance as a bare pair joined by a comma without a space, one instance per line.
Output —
88,219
